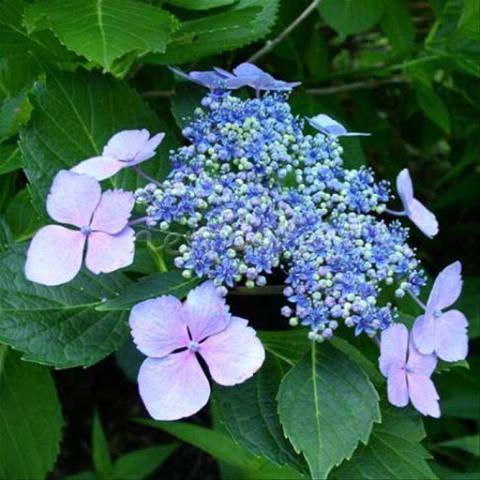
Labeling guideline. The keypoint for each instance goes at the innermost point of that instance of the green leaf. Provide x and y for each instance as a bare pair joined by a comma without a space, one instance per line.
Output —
469,304
6,236
455,35
85,475
224,449
21,216
155,285
59,325
398,26
433,106
327,405
200,4
74,116
470,444
142,463
186,99
100,451
246,22
291,346
10,158
7,189
249,412
17,45
104,31
394,450
14,113
30,418
351,16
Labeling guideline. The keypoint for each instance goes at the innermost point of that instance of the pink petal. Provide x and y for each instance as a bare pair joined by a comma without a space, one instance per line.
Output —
107,253
451,336
206,312
55,255
158,326
405,188
173,387
447,288
397,386
73,198
99,168
148,151
423,333
423,394
113,211
393,347
423,218
125,145
419,363
234,354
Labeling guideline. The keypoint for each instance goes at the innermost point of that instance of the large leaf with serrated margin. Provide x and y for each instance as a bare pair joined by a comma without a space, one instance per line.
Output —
394,450
17,45
327,405
59,325
30,418
245,22
249,412
74,116
104,31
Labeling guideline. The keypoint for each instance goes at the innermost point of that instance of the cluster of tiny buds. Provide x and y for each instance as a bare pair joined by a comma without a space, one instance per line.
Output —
257,195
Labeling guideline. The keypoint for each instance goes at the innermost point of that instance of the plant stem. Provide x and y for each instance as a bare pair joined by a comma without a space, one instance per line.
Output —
395,212
136,221
271,44
145,176
361,85
417,300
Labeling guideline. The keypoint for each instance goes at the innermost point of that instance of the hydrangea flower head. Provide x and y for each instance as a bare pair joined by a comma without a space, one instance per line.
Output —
423,218
171,381
56,253
408,372
443,333
327,125
125,149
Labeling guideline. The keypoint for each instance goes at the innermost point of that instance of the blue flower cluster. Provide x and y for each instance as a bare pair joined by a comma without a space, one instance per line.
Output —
257,194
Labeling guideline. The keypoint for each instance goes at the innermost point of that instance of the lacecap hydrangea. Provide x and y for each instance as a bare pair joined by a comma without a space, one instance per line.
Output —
255,192
258,190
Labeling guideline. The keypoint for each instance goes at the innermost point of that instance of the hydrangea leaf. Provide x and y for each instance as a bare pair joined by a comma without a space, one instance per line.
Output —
186,99
200,4
74,116
155,285
10,158
103,31
245,22
394,450
21,216
59,326
351,16
17,45
470,444
224,449
31,418
327,405
249,412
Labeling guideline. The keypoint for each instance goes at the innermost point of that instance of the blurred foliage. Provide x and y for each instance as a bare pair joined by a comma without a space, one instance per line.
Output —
73,72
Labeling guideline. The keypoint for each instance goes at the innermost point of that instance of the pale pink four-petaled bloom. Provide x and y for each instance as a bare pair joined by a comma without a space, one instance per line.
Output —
408,372
102,236
443,333
423,218
172,334
125,149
